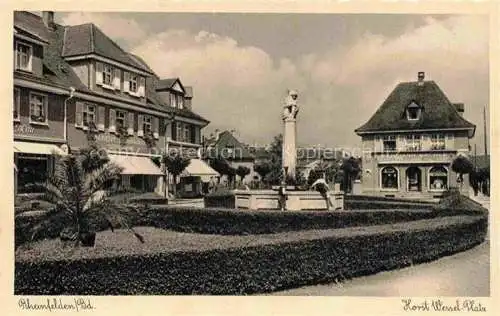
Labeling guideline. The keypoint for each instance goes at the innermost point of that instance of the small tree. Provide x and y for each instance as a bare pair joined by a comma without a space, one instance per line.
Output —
242,172
175,165
461,165
263,169
351,170
231,175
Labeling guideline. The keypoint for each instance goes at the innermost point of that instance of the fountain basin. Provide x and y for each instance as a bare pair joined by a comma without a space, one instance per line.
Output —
296,200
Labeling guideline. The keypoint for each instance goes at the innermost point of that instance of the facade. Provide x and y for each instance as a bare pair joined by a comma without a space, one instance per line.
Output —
72,80
226,145
411,141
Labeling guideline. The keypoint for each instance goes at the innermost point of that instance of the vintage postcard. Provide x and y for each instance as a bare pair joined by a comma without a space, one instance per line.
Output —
222,158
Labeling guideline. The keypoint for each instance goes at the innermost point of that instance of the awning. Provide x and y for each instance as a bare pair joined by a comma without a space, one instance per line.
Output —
136,165
37,148
199,168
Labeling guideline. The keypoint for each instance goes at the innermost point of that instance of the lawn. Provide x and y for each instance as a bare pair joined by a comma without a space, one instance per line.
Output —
157,240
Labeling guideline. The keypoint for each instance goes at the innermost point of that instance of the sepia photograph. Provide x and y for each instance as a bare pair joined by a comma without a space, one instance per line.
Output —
251,154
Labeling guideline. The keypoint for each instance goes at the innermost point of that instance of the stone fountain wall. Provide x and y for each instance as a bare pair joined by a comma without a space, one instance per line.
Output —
296,200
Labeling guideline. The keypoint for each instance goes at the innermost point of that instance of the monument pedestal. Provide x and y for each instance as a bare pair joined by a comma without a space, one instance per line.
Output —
289,147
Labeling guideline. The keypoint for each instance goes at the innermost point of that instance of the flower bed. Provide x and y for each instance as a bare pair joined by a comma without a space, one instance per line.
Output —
206,264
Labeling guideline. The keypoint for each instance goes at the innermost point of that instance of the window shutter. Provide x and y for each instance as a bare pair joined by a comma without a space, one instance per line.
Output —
174,130
142,88
156,127
98,73
100,118
140,128
193,134
79,114
117,79
126,79
112,120
378,144
130,129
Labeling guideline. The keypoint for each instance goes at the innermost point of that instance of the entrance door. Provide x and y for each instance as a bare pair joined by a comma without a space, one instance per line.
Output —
413,179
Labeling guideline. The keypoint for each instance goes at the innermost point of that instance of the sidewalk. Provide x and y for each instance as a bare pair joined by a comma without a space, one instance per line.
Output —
480,198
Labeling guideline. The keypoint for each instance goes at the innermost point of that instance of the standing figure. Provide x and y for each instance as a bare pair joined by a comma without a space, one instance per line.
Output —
290,108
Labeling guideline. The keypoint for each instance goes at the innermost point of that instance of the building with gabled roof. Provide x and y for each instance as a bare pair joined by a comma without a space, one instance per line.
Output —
72,79
411,141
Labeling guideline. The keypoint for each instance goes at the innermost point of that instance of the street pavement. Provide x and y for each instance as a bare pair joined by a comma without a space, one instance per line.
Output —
464,274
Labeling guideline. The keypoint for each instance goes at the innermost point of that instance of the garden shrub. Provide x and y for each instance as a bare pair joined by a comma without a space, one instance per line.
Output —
222,198
293,260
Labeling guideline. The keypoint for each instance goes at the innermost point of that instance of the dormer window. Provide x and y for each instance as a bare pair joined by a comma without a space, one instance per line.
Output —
23,56
413,112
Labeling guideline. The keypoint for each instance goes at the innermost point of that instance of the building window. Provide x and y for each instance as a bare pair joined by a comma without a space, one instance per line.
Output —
389,178
133,83
147,124
173,100
107,75
121,119
438,178
413,142
437,142
23,56
17,104
389,142
88,115
179,131
187,133
180,101
38,108
413,111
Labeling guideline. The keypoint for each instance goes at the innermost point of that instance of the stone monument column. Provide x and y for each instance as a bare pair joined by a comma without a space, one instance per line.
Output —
290,111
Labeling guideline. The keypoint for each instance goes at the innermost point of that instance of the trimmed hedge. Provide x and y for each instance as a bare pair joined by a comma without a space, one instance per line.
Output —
363,202
266,266
235,222
224,199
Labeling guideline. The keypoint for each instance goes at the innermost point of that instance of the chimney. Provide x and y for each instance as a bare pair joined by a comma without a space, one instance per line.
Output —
421,77
188,98
217,134
48,19
460,107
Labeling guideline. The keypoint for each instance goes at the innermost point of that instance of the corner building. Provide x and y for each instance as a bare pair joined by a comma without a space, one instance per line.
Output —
411,141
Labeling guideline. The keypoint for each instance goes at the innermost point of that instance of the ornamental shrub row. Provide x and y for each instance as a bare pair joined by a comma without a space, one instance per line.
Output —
266,266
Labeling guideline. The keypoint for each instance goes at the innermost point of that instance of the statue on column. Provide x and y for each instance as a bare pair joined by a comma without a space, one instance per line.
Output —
290,108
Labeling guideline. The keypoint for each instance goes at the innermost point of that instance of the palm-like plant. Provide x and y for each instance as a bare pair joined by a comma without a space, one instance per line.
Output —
81,201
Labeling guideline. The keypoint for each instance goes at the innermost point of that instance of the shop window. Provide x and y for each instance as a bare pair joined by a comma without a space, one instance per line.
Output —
38,108
389,143
389,178
438,178
31,169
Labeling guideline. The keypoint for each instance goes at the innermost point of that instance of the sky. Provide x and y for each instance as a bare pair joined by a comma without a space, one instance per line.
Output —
241,65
